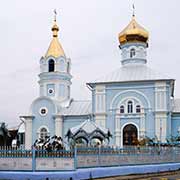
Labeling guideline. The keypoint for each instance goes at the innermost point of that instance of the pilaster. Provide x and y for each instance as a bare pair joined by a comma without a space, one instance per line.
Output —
161,126
58,125
142,124
117,132
28,131
100,105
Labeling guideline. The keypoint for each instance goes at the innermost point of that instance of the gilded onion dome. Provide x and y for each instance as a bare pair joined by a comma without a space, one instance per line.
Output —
55,49
133,33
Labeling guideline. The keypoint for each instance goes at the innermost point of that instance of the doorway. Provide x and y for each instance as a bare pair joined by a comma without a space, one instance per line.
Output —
130,135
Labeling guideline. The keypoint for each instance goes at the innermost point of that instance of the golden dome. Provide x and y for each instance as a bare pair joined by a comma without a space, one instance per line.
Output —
133,33
55,49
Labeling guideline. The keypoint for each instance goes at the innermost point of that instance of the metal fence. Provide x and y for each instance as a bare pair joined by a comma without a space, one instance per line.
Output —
98,157
40,159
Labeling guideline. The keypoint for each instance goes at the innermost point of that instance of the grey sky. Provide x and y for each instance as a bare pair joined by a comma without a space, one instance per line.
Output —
89,35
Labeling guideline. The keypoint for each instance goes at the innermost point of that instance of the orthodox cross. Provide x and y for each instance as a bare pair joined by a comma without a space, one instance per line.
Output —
55,14
133,10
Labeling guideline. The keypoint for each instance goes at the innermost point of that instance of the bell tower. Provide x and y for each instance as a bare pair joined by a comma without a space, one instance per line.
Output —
55,77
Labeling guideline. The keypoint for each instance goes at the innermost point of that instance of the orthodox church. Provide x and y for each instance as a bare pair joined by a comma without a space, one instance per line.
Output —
133,101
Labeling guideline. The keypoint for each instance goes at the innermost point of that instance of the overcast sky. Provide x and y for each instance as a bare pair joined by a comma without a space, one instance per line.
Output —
89,35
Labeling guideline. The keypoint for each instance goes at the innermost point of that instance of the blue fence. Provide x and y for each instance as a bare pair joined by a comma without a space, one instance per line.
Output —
100,157
39,159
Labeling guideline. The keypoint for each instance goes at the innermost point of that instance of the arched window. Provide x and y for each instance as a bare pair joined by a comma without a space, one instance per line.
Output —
68,67
51,65
130,107
43,133
132,53
122,109
138,109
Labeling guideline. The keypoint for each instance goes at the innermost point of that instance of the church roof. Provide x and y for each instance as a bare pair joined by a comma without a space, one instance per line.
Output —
77,108
88,126
133,32
131,73
88,130
176,108
55,49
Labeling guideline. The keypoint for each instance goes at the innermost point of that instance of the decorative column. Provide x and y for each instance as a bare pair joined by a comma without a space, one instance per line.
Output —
58,125
117,129
161,110
28,131
100,105
142,124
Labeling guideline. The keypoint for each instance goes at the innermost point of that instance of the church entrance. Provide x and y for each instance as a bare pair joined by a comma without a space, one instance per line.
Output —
130,135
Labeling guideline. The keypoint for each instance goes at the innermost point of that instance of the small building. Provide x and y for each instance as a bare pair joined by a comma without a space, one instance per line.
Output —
88,133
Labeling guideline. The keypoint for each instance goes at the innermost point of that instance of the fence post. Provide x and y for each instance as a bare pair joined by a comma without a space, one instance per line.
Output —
75,158
99,156
33,159
174,153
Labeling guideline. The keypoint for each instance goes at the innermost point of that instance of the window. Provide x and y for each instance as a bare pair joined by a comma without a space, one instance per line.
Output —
43,133
68,92
132,53
68,67
51,65
130,107
50,91
43,111
121,109
138,109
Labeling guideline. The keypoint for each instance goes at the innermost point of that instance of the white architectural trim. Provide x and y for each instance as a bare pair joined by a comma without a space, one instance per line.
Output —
129,98
28,131
160,96
100,99
49,58
126,91
58,126
161,126
43,126
42,98
39,130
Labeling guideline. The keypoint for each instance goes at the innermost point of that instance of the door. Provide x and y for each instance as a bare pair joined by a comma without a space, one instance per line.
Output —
129,135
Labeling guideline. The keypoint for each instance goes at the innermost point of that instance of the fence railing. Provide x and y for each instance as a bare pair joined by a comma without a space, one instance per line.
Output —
36,159
18,152
14,152
128,150
54,153
40,159
99,157
40,152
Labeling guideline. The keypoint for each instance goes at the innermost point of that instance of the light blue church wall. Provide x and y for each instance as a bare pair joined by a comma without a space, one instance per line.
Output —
175,123
135,120
51,86
169,105
43,120
144,92
54,75
141,91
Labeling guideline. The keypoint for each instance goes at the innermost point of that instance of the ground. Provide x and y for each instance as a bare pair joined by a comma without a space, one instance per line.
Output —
175,175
